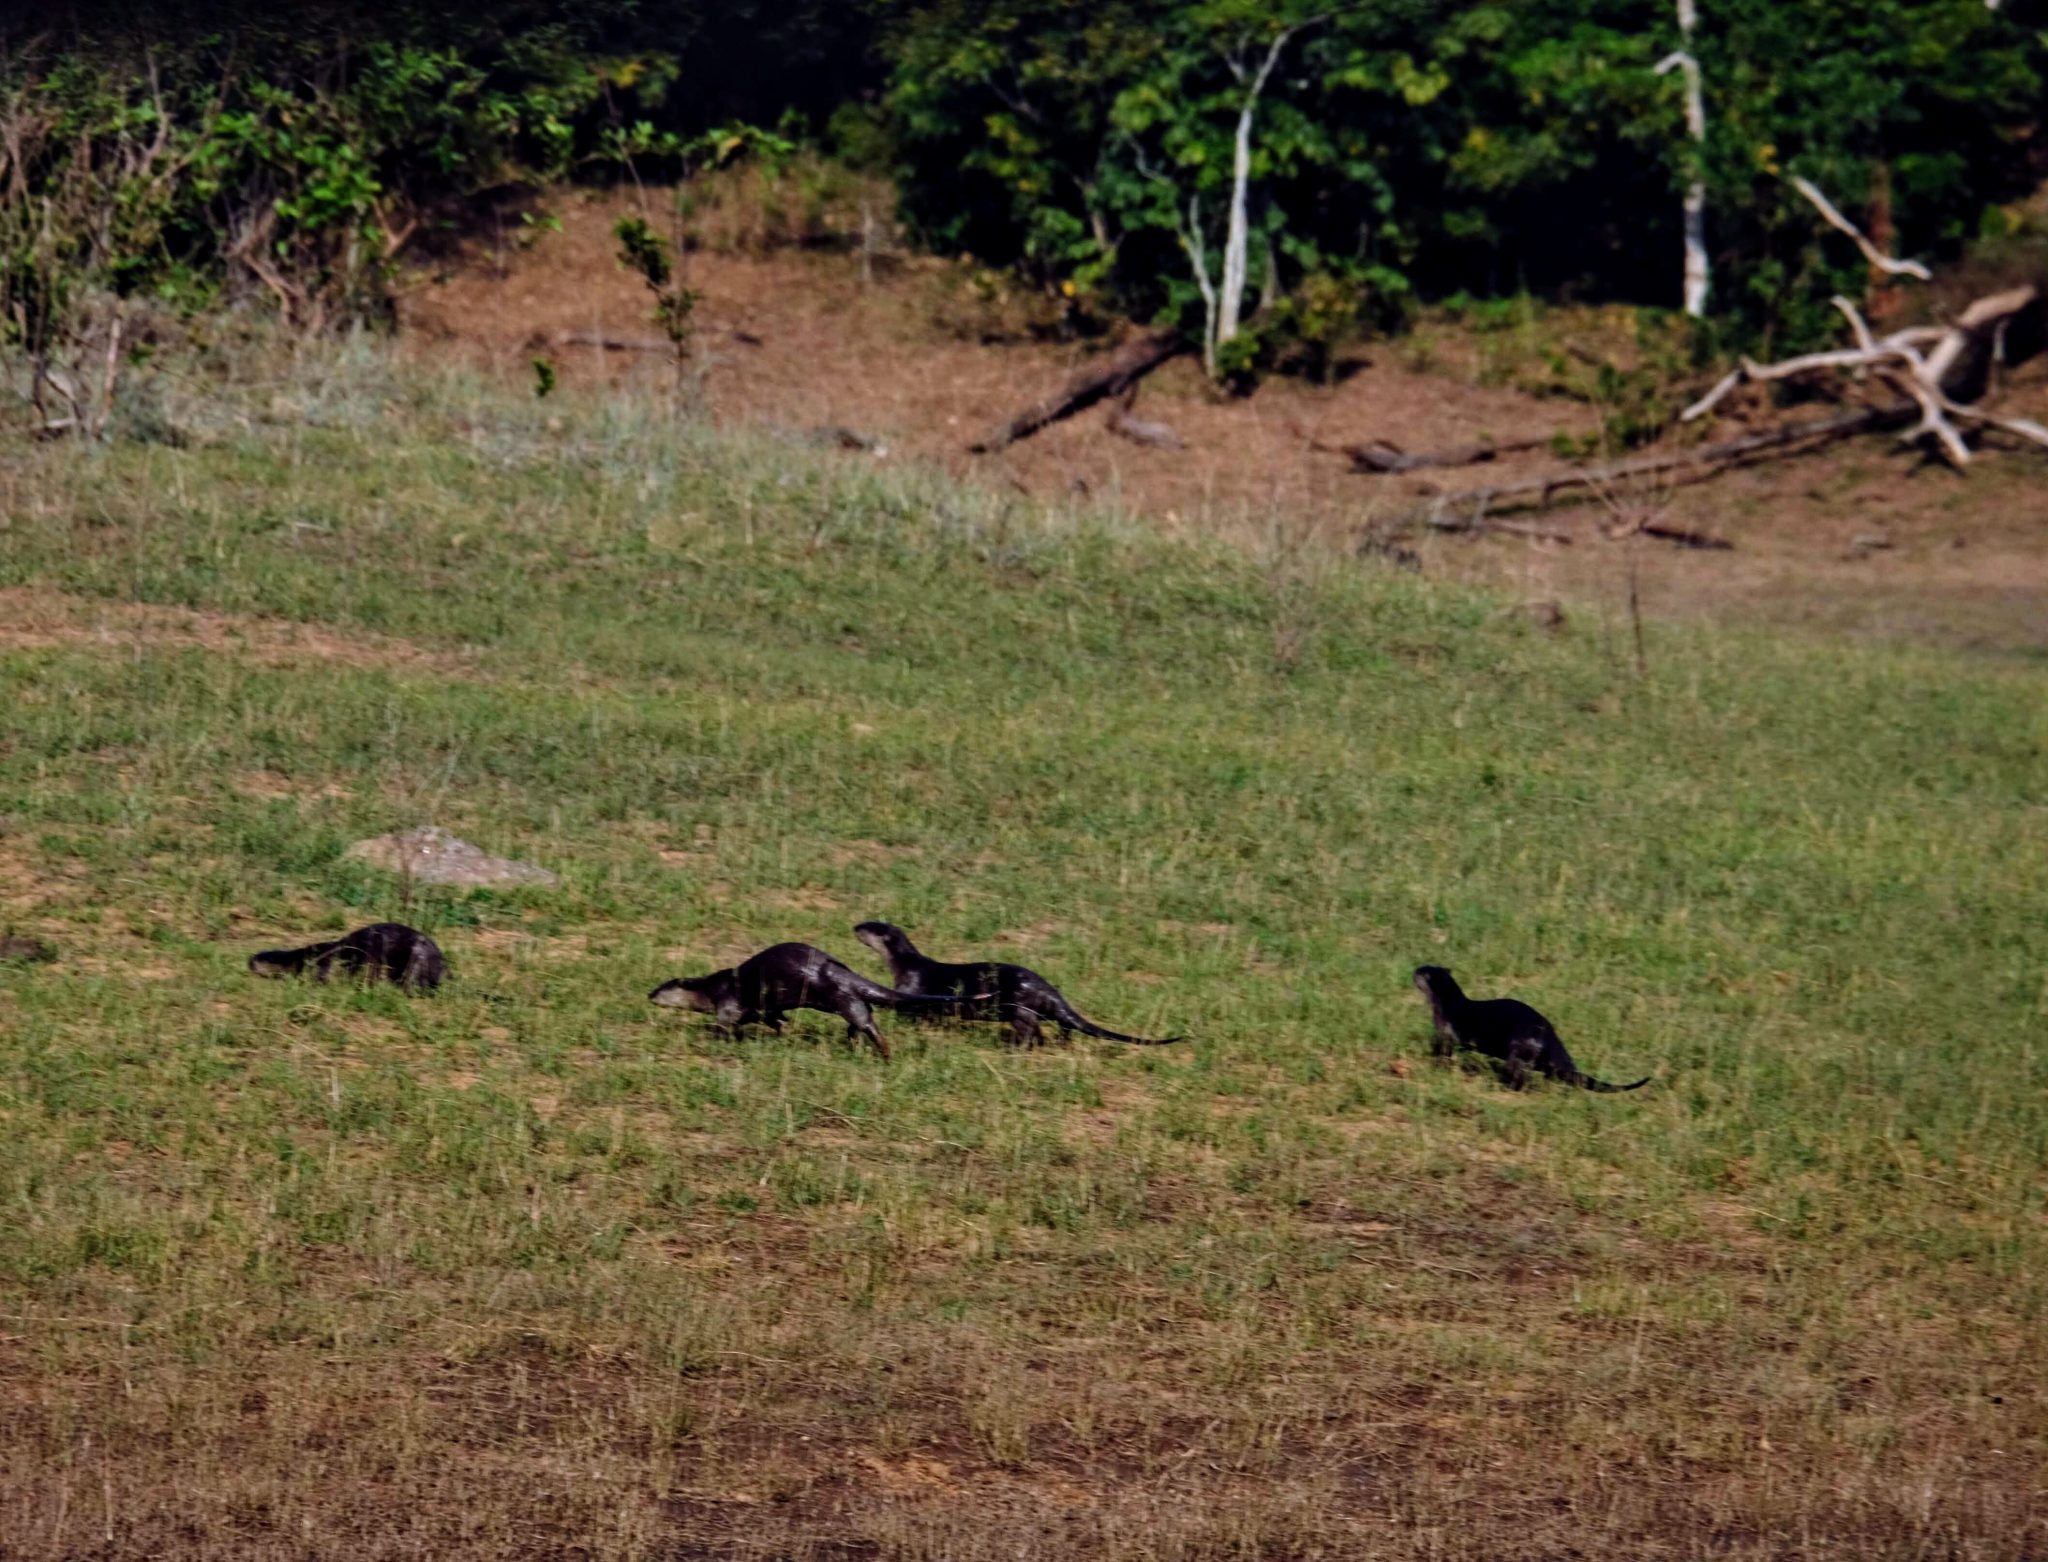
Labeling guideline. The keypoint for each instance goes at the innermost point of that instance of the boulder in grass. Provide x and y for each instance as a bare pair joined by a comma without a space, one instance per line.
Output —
428,854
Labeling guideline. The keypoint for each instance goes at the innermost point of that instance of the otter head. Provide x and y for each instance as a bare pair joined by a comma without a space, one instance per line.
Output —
1431,980
273,962
685,992
884,938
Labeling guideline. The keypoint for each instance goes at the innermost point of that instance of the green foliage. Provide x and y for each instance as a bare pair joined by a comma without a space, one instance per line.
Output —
644,253
1400,151
1478,146
227,149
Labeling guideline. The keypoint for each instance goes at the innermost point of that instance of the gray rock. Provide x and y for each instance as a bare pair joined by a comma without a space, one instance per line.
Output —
428,854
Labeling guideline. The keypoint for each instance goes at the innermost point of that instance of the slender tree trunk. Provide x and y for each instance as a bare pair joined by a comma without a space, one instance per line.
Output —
1198,257
1236,241
1682,60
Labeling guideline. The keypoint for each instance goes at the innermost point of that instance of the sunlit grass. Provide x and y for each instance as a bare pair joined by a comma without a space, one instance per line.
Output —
734,692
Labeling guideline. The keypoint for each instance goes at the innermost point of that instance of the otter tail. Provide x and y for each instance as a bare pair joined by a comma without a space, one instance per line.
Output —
1073,1019
1588,1082
288,962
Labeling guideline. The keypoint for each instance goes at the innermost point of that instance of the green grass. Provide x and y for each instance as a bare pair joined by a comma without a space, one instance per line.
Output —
565,1269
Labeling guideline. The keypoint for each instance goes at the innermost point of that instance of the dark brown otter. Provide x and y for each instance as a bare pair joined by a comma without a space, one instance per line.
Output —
1022,999
763,987
1504,1029
383,951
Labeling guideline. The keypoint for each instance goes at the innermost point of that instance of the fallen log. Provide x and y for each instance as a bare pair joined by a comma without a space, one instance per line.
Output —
1694,465
1669,531
1941,381
1478,521
604,341
1686,537
1108,375
1384,457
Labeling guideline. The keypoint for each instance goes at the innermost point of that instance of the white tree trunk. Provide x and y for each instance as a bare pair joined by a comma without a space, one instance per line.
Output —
1696,275
1236,243
1696,249
1198,258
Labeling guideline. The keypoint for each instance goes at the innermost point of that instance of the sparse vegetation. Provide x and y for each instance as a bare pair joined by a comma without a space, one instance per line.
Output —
319,1272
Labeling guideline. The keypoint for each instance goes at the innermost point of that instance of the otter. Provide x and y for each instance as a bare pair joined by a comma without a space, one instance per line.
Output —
791,976
1021,997
388,951
1505,1029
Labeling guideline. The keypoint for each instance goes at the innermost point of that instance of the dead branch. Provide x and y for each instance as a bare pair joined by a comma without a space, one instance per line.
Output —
1957,358
1689,465
606,342
1871,253
1668,531
396,239
1099,377
1975,330
614,344
1479,521
1383,456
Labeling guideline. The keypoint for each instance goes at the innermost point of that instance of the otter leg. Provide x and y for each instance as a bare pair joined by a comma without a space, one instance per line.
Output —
729,1016
413,978
1522,1051
1443,1044
772,1018
860,1026
1025,1030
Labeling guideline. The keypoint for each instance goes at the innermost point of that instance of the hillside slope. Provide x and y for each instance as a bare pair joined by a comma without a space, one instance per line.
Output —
1864,538
533,1268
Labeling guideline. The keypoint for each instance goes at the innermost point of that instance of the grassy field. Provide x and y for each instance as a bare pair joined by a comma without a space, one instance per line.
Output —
532,1267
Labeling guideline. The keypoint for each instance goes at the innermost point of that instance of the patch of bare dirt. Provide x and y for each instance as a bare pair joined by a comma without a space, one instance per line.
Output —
34,618
1859,538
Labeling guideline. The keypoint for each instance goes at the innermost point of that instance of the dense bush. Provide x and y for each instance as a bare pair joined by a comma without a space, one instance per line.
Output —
1404,147
1399,148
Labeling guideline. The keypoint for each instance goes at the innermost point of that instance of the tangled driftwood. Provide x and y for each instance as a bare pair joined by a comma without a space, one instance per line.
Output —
1937,376
1931,365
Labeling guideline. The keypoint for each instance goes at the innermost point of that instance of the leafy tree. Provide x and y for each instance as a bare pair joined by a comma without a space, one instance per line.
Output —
1404,147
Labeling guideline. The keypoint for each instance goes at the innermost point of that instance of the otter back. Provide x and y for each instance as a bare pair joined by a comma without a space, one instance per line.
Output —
1016,995
764,987
383,951
1504,1029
